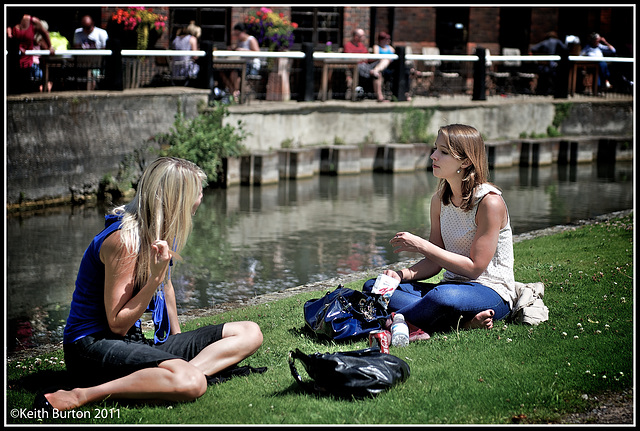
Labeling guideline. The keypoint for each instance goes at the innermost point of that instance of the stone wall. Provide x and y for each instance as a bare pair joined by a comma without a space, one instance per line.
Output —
64,143
305,124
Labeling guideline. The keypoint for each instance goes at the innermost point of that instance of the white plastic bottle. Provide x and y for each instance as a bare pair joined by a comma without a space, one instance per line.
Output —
399,331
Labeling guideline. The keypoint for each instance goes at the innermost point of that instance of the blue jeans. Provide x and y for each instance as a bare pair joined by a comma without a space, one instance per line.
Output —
438,307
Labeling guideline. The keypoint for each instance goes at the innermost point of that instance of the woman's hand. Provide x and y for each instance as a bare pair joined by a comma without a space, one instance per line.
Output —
160,259
405,241
393,274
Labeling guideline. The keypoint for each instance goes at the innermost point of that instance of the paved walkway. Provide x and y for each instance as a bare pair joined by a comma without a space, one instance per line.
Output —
446,100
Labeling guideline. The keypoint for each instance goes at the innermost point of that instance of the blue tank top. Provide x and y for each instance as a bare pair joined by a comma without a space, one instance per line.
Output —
385,50
88,315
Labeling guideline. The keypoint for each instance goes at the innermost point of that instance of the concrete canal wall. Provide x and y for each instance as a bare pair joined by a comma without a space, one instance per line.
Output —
61,145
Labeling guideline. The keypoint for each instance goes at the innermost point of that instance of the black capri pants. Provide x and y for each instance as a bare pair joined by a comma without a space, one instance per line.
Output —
105,356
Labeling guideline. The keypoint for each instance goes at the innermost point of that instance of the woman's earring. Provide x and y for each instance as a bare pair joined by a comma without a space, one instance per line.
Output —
458,171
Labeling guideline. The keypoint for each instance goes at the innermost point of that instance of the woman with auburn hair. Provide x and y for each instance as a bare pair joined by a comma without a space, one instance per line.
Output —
126,267
470,238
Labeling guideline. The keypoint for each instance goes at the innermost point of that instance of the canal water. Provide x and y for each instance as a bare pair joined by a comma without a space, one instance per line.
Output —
248,241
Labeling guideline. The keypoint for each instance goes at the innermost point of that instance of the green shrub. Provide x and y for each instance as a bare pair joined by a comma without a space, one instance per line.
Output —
203,140
414,126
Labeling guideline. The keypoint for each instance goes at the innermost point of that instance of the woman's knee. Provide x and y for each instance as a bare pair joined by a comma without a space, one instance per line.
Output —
188,382
248,331
253,334
448,296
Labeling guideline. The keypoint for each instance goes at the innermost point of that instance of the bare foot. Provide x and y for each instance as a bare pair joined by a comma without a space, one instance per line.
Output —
483,319
63,400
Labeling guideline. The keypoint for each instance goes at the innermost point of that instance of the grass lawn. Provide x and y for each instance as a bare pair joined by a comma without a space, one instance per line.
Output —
510,373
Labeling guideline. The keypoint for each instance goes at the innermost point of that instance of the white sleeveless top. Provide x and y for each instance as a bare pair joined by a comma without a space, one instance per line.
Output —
458,228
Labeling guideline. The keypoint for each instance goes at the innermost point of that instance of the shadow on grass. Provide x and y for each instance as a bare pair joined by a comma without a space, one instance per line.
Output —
45,380
296,390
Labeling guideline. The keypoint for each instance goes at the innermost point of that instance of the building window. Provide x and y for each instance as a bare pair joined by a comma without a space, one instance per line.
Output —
317,25
214,22
452,27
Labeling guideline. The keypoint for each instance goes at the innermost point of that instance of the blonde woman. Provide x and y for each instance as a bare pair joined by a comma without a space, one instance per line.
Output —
126,267
186,40
470,238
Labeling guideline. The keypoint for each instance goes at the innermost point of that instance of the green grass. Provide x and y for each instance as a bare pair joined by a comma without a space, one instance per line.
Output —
532,374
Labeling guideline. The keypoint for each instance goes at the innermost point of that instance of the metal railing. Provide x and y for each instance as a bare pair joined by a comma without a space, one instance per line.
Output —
307,55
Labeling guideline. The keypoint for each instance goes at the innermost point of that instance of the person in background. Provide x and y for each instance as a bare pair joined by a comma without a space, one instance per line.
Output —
39,43
88,36
382,47
127,267
547,70
186,40
366,69
244,42
597,46
470,238
24,35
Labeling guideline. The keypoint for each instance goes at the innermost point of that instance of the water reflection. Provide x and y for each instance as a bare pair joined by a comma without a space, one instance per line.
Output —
252,240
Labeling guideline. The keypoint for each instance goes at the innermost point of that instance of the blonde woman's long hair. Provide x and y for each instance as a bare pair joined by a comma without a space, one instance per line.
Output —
161,209
465,143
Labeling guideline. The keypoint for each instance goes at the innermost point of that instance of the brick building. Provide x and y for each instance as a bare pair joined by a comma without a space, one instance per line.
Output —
454,29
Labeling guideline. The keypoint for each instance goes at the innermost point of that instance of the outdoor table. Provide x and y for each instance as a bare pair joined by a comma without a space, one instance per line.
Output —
234,63
573,76
339,63
53,61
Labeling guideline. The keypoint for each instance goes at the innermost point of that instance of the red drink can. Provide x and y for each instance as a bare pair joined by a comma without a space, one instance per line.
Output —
381,339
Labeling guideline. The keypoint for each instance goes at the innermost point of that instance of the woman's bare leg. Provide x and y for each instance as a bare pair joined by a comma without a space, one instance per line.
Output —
171,380
239,341
381,66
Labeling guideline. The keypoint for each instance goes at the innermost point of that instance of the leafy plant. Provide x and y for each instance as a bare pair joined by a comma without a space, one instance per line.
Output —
553,132
561,113
204,140
414,127
287,143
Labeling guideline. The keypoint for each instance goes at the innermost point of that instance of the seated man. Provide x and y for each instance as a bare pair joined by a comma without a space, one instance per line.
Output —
366,69
599,47
88,36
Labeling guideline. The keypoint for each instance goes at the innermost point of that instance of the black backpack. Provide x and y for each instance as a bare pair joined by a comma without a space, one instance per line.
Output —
359,373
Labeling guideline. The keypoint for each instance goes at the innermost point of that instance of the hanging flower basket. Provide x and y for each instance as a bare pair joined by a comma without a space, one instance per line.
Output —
272,30
140,25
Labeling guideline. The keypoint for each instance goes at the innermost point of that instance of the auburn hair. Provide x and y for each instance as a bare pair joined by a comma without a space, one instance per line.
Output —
465,143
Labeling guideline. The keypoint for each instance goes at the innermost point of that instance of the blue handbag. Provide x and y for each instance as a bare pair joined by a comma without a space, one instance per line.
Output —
344,313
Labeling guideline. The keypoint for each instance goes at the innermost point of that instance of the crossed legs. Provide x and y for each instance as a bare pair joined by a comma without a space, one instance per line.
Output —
438,307
174,379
